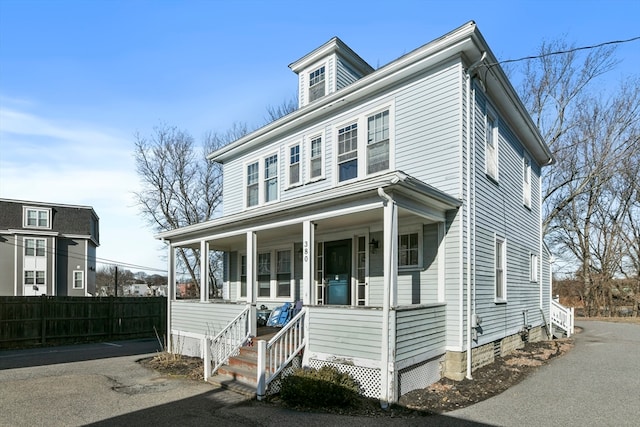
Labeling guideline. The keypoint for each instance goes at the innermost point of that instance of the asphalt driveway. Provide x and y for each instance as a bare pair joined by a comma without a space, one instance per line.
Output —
595,384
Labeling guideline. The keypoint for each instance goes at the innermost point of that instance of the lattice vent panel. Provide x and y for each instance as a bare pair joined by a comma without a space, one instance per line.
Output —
368,378
274,386
419,376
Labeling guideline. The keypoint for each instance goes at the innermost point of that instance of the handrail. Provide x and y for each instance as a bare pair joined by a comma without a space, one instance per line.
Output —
218,349
275,355
562,317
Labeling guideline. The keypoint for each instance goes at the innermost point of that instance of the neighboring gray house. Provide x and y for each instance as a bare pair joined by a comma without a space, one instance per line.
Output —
401,205
47,249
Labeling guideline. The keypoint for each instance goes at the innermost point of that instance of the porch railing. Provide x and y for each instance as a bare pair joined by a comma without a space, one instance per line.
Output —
218,349
275,355
562,317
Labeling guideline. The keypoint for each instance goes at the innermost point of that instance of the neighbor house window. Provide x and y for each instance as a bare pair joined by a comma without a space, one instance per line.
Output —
491,145
316,84
316,168
37,218
378,142
534,268
32,277
271,178
252,184
78,280
526,181
500,284
408,250
34,247
348,152
294,164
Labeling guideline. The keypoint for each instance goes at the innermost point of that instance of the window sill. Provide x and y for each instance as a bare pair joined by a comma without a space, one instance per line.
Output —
409,268
492,178
500,301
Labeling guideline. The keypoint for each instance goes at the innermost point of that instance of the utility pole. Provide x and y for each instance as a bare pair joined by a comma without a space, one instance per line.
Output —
116,280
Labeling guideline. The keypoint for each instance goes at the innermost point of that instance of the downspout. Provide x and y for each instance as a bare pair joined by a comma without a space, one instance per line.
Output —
386,307
468,203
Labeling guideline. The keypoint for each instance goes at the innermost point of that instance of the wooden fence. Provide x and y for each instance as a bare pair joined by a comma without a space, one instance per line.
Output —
51,320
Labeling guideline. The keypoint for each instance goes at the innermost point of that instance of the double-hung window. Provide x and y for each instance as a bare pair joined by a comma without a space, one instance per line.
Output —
261,181
264,274
32,277
34,247
348,152
283,273
274,274
37,218
271,178
500,283
294,164
78,279
378,142
315,158
316,84
409,250
526,181
491,145
253,171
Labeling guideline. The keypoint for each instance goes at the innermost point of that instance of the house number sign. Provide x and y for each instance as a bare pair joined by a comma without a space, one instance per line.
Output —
305,251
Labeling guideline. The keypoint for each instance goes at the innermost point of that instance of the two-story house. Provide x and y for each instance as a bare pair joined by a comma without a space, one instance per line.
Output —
47,249
402,205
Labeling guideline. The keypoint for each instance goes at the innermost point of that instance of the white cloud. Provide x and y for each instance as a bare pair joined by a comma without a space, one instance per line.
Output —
75,163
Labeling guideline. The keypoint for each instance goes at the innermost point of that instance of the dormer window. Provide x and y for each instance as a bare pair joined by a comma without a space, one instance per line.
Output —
316,84
37,217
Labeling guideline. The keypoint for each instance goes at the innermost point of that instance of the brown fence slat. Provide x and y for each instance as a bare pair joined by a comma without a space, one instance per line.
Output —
51,320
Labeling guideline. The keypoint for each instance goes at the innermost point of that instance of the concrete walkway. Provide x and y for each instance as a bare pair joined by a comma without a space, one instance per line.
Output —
595,384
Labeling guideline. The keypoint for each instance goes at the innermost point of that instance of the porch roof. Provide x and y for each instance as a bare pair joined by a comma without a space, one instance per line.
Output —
408,191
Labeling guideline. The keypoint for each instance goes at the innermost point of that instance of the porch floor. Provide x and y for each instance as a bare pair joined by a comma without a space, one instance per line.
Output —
266,332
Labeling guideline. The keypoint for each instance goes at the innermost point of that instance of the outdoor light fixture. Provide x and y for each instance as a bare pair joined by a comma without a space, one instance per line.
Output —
373,245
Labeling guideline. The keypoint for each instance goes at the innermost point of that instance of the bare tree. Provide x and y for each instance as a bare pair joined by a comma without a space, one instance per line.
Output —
588,207
274,112
179,186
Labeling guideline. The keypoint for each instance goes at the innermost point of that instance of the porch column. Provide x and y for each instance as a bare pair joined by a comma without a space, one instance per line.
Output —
252,268
204,271
171,290
388,345
308,244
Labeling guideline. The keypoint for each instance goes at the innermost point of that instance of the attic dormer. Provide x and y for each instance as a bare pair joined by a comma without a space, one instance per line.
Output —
327,69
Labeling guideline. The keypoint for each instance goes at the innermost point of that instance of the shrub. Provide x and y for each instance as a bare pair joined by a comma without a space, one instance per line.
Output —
323,387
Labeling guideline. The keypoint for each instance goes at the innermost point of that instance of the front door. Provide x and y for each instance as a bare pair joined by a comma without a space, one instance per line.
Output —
338,272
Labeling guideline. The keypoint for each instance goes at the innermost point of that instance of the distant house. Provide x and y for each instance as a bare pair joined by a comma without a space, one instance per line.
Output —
47,249
401,205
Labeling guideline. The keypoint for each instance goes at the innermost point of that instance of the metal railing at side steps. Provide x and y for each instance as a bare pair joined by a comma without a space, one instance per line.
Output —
275,355
227,343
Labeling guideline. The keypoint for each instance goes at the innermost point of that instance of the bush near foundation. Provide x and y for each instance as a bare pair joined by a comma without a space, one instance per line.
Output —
322,387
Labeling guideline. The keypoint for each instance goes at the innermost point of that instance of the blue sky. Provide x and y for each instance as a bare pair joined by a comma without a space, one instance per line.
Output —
79,78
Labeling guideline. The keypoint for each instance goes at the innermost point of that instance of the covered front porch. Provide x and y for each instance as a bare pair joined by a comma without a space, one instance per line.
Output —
367,260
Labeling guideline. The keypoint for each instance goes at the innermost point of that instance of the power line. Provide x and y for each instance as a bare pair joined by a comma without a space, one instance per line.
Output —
83,258
561,52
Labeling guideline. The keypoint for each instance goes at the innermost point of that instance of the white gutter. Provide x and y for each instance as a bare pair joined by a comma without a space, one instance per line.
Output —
468,204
